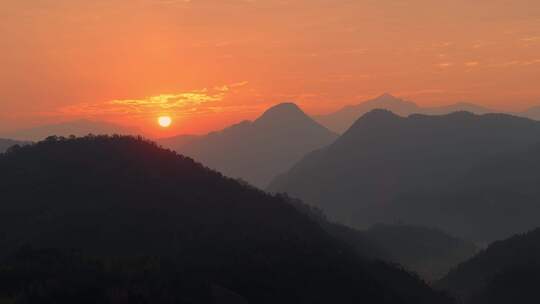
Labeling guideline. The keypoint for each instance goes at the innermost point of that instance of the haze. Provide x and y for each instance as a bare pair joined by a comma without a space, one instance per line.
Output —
212,63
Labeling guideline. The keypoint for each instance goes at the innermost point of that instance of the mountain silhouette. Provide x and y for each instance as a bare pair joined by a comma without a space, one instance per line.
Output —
499,189
505,271
456,107
532,113
257,151
101,219
343,119
427,251
80,127
7,143
387,168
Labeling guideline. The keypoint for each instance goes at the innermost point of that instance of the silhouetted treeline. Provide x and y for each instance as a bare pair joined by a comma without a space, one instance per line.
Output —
121,220
8,143
54,276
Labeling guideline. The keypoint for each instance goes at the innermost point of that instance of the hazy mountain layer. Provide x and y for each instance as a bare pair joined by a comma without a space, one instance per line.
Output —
257,151
532,113
457,172
344,118
427,251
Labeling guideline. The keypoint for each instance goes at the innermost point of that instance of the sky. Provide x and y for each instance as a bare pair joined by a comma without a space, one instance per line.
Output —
210,63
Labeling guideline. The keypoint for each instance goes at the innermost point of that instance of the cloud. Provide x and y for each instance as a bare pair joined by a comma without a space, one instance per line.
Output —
445,65
433,91
531,62
531,39
177,104
472,63
170,101
515,63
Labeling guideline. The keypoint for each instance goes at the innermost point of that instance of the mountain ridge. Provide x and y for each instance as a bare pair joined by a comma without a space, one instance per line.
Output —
384,162
342,119
532,113
257,151
7,143
80,127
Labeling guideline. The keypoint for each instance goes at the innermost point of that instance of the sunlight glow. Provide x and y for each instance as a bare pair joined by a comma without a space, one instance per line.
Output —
165,121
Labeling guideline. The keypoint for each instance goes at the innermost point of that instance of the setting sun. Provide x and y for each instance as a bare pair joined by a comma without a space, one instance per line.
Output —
164,121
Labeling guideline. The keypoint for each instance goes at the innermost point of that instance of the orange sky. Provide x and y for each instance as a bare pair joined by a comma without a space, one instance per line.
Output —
209,63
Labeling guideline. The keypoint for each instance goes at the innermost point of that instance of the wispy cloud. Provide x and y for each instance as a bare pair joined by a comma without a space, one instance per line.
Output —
433,91
178,104
531,39
444,65
516,63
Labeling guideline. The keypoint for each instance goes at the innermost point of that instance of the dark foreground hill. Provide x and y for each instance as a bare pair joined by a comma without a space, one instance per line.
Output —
461,172
506,272
257,151
120,220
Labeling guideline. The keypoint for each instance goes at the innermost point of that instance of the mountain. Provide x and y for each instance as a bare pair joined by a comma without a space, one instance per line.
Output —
457,107
177,143
429,252
505,271
7,143
532,113
434,171
257,151
77,127
500,189
341,120
117,219
362,244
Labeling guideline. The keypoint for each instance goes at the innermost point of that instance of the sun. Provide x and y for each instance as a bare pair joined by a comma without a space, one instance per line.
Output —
165,121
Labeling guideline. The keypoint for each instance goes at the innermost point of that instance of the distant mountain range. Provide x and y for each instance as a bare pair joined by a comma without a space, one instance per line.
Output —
342,119
532,113
507,270
7,143
456,107
119,220
257,151
461,172
427,251
77,127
